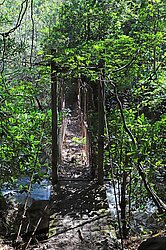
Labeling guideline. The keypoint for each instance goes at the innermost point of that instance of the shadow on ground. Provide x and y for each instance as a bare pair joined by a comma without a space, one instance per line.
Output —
80,218
78,198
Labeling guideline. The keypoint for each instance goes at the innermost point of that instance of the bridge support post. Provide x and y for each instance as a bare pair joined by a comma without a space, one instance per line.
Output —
101,131
54,104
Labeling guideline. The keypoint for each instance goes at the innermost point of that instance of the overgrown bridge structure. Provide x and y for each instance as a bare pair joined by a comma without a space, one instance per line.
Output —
80,215
88,96
87,99
77,192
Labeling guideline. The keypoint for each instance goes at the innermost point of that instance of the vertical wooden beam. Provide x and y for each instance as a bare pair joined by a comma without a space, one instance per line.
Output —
101,131
54,104
91,120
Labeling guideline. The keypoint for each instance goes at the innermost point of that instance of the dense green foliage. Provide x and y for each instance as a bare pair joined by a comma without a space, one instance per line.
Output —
122,40
126,40
25,94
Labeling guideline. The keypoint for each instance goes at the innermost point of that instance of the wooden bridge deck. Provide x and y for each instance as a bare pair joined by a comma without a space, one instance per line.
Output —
80,218
79,215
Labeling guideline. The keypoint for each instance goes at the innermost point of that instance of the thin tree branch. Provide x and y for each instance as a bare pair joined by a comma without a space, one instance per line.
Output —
25,207
36,227
30,186
128,64
33,32
157,201
80,225
123,118
2,2
3,65
19,20
113,181
3,55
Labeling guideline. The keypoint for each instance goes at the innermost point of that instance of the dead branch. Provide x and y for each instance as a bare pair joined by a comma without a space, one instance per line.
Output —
81,224
124,121
24,208
35,229
33,32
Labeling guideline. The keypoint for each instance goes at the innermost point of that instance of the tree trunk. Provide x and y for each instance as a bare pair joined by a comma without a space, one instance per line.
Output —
101,131
54,124
123,199
158,202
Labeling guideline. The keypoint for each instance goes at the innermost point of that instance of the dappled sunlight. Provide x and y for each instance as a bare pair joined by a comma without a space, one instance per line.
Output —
74,163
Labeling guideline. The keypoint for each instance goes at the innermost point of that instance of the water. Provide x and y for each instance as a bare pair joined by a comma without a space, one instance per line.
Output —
111,198
40,191
140,218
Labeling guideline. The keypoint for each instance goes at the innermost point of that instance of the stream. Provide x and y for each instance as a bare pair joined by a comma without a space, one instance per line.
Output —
141,220
37,209
40,191
40,195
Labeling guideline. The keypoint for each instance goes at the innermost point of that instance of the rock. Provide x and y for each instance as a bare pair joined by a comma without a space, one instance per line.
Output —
6,215
2,203
36,218
155,243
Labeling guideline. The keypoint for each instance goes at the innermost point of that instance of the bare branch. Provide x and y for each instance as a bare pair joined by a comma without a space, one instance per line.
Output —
124,121
30,184
33,32
3,55
2,2
19,20
107,214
